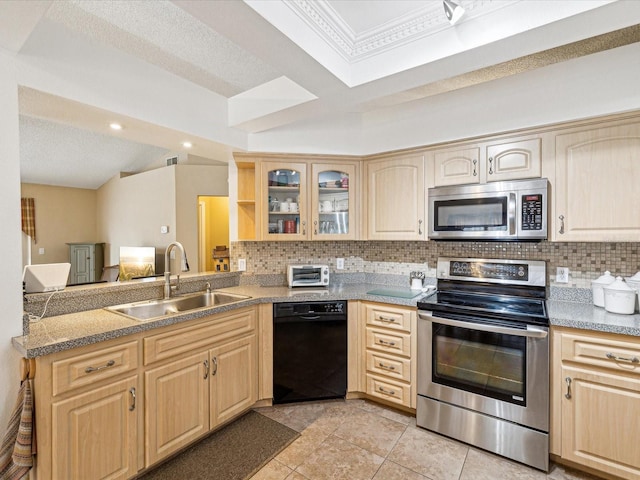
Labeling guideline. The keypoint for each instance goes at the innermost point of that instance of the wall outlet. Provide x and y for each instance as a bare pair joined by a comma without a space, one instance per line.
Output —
41,251
562,275
242,264
340,263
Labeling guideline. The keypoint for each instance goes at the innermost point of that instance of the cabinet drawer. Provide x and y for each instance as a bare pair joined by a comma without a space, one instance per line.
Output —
614,354
388,365
390,342
389,390
388,317
92,367
221,327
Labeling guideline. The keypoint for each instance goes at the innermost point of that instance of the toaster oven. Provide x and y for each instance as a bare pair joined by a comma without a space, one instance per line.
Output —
308,275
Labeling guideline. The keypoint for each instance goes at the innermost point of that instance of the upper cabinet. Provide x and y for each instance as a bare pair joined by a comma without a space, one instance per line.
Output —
487,162
596,185
396,198
283,202
298,198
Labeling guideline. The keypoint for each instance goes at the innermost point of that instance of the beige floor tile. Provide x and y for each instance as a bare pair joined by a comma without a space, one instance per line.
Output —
274,470
393,471
391,414
371,432
429,454
301,448
481,465
337,459
296,476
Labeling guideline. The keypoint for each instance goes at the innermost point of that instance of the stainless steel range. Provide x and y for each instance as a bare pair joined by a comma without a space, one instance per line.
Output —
483,357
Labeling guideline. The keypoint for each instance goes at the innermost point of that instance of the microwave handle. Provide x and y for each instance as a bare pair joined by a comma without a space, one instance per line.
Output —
511,213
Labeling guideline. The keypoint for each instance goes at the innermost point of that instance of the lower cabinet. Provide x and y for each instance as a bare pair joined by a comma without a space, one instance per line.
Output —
189,393
176,405
389,353
110,410
599,392
94,434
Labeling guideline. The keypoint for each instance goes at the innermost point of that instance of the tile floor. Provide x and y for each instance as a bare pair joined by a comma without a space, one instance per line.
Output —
361,440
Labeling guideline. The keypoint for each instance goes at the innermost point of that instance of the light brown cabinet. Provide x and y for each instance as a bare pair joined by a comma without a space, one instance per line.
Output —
596,185
88,412
309,200
597,401
110,410
208,374
94,434
176,405
487,162
389,349
395,198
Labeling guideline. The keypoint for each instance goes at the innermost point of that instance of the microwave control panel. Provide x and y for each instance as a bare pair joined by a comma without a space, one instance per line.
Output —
532,211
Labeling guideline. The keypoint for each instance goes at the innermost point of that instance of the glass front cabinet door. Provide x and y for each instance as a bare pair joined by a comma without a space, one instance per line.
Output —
332,202
284,211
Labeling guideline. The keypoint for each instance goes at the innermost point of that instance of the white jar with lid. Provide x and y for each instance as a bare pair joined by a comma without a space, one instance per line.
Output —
596,288
619,297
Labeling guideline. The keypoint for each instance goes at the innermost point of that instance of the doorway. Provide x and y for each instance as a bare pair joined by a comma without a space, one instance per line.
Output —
213,233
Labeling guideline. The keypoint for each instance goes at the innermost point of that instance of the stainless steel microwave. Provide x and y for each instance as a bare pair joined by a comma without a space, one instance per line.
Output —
509,210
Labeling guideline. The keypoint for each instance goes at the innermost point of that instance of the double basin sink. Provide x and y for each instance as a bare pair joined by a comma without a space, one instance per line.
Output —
155,309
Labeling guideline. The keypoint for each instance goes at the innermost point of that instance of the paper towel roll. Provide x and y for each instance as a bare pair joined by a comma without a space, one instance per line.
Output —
416,284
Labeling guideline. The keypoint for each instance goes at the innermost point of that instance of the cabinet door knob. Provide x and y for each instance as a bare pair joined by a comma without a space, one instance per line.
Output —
490,165
215,366
206,369
132,392
568,394
475,171
419,227
561,231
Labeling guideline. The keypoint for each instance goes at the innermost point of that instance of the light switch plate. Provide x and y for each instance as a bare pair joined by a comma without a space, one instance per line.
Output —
339,263
242,264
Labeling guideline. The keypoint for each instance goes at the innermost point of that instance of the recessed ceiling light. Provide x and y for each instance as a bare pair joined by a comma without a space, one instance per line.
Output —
115,126
187,144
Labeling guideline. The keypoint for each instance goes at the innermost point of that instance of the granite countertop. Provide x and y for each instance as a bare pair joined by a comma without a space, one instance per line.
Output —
63,332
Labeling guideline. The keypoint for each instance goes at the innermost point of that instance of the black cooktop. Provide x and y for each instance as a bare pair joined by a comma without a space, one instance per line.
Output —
503,307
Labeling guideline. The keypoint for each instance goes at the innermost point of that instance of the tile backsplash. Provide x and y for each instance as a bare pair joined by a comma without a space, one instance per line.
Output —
586,260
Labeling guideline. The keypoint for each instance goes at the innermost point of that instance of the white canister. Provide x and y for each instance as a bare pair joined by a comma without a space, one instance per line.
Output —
619,297
596,288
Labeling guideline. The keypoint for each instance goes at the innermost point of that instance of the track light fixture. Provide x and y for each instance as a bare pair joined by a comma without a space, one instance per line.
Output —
453,11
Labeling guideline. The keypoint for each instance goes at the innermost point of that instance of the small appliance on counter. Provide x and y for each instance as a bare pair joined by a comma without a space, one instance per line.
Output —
308,276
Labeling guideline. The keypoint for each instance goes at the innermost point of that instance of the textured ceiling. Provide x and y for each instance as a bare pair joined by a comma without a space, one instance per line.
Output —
340,57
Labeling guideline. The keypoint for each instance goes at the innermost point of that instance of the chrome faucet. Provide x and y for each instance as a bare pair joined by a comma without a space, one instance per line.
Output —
167,268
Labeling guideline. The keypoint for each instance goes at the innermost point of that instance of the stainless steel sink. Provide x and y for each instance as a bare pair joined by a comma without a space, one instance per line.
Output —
154,309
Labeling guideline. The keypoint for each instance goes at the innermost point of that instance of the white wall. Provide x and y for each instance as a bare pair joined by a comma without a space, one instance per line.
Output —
10,241
191,181
131,210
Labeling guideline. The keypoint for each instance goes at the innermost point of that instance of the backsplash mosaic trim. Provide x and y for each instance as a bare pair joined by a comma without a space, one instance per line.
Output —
586,260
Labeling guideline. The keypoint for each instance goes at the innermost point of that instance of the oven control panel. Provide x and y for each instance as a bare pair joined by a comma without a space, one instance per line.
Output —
489,270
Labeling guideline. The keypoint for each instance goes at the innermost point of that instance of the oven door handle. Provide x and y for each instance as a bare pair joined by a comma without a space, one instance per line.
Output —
530,332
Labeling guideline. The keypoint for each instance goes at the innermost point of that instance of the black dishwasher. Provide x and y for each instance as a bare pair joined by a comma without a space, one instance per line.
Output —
309,351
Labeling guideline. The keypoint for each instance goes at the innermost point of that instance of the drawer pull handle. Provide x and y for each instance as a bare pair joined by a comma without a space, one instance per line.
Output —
617,358
568,394
383,342
388,367
110,363
206,369
388,392
215,366
132,392
387,319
